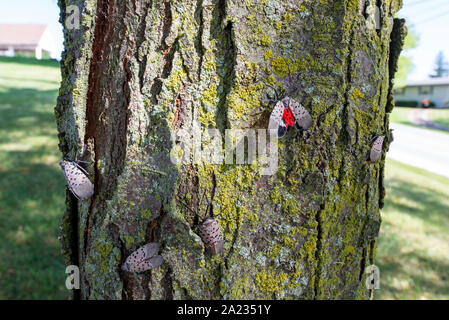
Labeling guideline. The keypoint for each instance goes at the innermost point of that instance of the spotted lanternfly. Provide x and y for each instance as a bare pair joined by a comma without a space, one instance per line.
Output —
289,113
77,180
211,235
376,148
143,259
303,120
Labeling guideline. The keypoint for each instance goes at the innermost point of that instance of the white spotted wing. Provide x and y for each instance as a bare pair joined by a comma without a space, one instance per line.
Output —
77,180
143,259
303,120
276,116
376,149
211,235
276,122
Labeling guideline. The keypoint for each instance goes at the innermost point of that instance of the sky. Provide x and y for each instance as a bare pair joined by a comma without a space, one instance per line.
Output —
428,18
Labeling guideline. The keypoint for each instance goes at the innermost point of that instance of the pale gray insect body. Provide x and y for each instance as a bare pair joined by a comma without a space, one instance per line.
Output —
376,149
210,233
77,180
303,120
143,259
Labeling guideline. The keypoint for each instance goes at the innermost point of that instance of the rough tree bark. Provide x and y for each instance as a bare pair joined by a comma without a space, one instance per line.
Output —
137,71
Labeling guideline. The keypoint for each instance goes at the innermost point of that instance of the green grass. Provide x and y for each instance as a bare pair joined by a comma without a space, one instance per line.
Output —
400,115
31,184
413,251
440,116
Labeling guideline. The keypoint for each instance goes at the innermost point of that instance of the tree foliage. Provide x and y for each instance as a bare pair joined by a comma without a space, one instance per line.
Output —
441,66
405,63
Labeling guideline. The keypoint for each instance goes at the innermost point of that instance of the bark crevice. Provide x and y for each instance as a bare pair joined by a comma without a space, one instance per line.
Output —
100,34
199,39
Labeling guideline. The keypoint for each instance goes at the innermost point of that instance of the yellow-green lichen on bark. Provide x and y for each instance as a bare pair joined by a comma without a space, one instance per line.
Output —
305,232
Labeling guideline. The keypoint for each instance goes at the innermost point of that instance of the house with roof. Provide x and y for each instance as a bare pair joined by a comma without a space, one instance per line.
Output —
435,90
29,39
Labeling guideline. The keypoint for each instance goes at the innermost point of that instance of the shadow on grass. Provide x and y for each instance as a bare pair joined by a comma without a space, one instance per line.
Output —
410,270
413,278
430,208
26,111
32,195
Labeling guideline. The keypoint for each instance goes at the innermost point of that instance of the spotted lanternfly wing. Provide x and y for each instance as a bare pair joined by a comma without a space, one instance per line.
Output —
303,120
143,259
144,265
276,122
211,235
77,180
376,149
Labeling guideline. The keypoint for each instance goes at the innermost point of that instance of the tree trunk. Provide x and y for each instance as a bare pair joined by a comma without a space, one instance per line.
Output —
136,72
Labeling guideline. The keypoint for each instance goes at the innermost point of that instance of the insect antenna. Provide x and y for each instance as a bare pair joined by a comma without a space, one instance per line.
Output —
198,217
185,205
207,207
276,96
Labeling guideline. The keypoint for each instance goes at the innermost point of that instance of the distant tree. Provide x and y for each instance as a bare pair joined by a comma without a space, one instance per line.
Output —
441,66
405,64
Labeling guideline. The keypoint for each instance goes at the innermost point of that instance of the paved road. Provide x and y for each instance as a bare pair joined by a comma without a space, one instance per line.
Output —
421,148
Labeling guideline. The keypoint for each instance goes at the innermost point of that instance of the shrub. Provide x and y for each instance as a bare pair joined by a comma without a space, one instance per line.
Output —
407,103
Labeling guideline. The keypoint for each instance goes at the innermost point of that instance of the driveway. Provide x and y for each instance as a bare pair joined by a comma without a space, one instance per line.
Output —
420,117
420,148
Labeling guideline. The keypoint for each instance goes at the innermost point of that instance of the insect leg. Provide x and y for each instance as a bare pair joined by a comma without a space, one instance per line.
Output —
79,161
277,96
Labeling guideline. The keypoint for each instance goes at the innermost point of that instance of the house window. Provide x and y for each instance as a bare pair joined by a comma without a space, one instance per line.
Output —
425,90
399,91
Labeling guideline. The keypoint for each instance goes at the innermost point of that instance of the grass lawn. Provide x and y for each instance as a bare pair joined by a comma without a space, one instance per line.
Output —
400,115
440,116
31,184
413,251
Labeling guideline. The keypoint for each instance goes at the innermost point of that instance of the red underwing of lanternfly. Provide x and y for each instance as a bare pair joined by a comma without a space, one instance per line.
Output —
210,233
77,178
376,148
143,259
289,113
